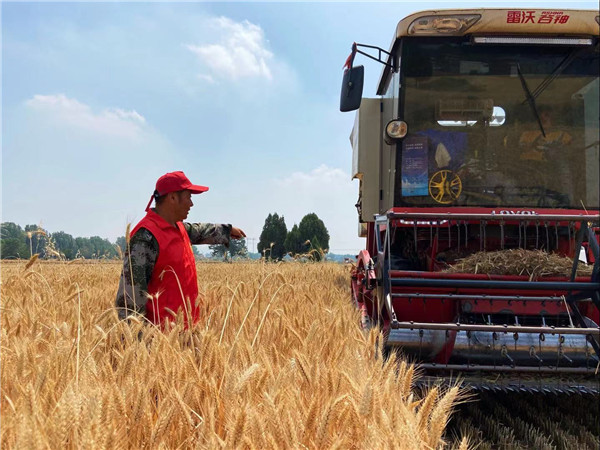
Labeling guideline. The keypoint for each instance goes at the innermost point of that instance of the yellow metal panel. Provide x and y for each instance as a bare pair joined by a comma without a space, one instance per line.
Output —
525,21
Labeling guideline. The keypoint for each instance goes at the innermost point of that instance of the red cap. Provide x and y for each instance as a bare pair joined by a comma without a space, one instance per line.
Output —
173,182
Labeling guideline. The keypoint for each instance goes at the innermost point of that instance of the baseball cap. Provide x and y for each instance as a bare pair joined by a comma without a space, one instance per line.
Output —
173,182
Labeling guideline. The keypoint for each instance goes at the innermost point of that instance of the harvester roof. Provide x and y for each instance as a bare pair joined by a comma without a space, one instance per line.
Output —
494,22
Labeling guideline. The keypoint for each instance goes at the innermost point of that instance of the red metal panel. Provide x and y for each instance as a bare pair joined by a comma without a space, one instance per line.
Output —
430,310
514,307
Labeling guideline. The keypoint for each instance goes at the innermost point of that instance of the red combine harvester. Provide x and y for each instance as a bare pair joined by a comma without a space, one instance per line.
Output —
485,138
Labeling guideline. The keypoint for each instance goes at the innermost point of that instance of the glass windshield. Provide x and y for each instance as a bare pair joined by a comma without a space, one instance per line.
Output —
498,125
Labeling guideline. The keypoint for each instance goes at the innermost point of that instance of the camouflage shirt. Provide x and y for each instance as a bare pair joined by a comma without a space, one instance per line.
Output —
137,268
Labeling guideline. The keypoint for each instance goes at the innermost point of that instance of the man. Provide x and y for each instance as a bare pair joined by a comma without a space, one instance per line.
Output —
550,152
159,270
537,147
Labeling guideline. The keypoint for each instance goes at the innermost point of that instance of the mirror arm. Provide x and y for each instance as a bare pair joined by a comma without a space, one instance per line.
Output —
379,54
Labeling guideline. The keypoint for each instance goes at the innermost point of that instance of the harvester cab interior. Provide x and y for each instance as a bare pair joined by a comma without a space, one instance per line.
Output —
479,195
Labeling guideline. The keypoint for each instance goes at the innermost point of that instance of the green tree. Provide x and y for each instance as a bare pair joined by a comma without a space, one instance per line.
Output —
84,247
294,244
312,229
121,243
272,239
65,244
237,249
197,254
37,239
102,248
13,242
97,246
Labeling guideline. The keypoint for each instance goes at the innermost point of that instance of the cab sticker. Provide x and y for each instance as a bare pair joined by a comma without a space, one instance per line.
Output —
543,17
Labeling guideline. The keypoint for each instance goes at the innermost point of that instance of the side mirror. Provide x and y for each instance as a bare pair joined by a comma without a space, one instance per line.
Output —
352,88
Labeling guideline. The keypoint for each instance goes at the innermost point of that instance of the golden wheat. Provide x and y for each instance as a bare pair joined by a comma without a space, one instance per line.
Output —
278,360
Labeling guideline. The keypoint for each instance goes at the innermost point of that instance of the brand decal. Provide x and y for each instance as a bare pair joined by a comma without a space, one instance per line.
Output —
543,17
512,212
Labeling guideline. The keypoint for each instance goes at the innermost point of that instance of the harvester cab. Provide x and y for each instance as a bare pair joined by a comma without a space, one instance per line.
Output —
479,195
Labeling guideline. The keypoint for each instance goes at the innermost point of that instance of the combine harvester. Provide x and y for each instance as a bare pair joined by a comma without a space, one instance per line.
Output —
485,138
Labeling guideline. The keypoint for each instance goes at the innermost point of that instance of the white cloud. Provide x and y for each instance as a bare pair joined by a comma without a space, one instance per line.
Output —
118,113
206,77
110,122
102,162
321,178
240,53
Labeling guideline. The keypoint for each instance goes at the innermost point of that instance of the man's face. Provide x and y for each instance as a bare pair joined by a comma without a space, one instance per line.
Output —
546,117
183,203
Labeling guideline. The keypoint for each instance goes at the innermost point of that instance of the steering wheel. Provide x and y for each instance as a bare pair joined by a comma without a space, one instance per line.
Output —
445,186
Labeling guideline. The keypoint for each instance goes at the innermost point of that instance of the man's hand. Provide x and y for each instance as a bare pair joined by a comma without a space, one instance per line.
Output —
236,233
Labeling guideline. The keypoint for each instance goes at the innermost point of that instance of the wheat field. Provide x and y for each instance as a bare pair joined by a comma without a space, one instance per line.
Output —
277,361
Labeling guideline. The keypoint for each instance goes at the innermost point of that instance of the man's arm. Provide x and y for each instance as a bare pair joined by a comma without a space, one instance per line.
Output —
208,233
138,265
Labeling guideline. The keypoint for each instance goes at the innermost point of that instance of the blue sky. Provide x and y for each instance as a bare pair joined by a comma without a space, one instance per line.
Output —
100,99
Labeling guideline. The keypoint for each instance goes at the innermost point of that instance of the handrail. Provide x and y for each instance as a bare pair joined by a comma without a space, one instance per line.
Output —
491,216
594,331
495,284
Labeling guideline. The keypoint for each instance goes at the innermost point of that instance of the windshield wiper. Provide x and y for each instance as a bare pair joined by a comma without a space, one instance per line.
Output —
558,70
530,99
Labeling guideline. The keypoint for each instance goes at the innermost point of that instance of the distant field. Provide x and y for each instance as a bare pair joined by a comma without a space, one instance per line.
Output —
277,361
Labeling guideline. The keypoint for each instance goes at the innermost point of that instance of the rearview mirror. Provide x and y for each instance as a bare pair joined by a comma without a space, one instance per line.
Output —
352,88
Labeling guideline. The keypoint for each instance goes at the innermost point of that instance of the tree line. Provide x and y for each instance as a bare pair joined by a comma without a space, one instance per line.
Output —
237,249
19,243
310,238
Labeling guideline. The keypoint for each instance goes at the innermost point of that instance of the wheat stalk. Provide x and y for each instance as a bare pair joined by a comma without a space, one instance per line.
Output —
280,363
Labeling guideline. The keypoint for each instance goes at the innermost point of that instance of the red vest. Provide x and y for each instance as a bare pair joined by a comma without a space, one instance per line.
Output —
173,284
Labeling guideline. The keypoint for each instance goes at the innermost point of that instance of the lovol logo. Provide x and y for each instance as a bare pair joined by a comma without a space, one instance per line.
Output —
515,213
